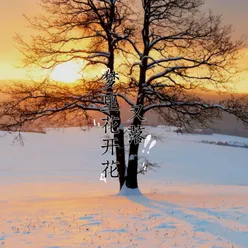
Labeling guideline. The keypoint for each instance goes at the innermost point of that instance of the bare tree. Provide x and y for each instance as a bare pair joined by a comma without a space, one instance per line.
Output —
70,29
180,50
171,53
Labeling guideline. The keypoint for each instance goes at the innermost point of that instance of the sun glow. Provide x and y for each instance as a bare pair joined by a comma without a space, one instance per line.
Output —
68,72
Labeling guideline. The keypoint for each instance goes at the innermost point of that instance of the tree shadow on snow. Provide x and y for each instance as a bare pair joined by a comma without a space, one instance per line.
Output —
198,224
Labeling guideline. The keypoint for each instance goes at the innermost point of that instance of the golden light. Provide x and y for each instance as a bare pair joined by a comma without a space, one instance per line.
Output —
67,72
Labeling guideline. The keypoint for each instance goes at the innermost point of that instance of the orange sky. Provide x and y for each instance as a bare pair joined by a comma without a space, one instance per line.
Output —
233,11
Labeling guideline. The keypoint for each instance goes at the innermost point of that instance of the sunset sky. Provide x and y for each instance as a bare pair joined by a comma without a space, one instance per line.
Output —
233,11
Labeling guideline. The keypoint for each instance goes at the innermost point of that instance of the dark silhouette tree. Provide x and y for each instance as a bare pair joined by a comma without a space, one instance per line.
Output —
169,52
69,30
179,51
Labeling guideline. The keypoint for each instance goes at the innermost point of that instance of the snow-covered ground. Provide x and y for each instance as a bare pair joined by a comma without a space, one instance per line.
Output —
51,195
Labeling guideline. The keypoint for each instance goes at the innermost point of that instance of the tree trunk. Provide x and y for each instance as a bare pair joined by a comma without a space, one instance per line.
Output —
131,179
120,157
120,148
132,169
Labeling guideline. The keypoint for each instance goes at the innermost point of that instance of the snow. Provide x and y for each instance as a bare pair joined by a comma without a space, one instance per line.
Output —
121,127
126,99
126,191
132,157
51,195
